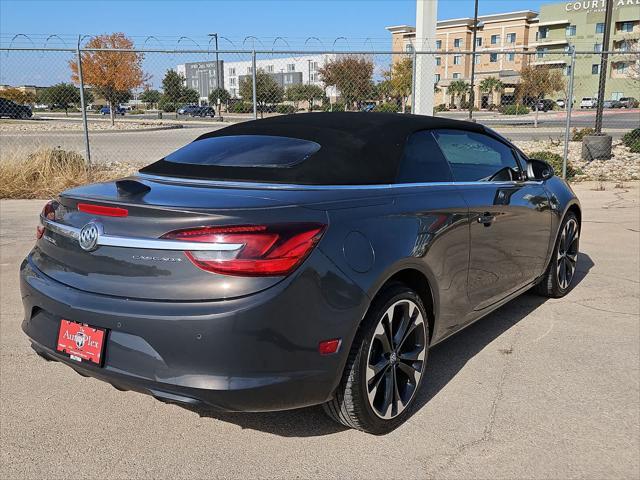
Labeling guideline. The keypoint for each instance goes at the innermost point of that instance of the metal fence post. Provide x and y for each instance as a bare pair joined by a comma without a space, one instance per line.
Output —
569,109
85,126
253,80
413,82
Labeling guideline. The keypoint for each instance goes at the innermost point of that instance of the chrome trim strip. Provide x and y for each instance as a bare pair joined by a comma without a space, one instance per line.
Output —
138,242
288,186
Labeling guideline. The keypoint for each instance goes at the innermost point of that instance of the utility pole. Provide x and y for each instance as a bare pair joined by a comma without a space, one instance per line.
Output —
215,36
472,94
603,64
426,22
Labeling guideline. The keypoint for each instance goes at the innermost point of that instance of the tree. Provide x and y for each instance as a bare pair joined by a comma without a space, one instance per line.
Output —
491,85
537,82
267,90
18,96
111,74
189,95
150,97
457,89
302,92
351,75
400,79
218,93
175,93
61,94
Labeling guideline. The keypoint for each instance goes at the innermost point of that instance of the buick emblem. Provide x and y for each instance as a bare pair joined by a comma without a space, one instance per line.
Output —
88,238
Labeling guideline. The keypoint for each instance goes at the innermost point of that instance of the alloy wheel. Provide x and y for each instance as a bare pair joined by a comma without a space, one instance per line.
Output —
567,254
396,359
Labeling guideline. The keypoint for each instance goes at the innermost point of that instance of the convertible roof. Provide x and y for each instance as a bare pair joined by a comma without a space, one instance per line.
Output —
356,148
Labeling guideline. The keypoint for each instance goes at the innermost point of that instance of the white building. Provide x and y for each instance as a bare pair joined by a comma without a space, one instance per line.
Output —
285,70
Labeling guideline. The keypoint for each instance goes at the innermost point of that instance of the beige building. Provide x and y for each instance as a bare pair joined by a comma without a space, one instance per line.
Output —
498,32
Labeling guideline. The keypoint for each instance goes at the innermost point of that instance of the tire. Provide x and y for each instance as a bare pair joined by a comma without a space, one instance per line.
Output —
351,405
556,281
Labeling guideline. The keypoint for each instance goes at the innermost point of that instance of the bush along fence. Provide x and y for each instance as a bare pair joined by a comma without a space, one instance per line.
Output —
106,84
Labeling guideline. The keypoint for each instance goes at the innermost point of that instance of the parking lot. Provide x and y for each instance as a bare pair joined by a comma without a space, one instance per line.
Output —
539,389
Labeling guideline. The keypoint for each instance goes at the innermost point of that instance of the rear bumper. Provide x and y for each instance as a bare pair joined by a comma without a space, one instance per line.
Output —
256,353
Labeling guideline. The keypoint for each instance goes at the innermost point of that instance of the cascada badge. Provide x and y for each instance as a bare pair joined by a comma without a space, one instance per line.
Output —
88,238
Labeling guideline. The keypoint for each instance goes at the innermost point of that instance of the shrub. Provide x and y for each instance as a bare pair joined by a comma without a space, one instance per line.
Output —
631,138
578,135
555,161
240,107
515,110
441,108
336,107
386,107
167,105
634,145
136,111
284,108
47,171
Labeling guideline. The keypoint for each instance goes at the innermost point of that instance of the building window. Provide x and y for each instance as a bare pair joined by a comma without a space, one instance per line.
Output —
493,57
597,47
511,38
314,77
599,27
232,72
437,77
457,43
269,68
438,61
249,70
456,76
543,33
595,69
540,52
291,67
495,39
478,41
408,48
477,59
511,57
570,31
232,81
457,59
622,67
438,44
624,46
626,27
314,66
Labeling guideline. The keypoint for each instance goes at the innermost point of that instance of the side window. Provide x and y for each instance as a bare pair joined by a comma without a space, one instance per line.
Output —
422,161
476,157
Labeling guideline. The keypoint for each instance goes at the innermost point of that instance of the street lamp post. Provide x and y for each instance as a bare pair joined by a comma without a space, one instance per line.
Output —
215,36
472,93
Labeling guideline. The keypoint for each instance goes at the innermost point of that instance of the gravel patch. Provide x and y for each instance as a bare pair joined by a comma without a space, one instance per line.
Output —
76,126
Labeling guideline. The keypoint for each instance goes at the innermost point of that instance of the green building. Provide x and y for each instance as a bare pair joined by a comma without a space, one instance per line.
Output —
581,24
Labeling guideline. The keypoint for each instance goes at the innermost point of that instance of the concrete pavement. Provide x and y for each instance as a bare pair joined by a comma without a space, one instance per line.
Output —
539,389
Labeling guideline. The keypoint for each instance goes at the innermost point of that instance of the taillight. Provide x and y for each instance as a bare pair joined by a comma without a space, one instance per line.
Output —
251,250
102,210
49,213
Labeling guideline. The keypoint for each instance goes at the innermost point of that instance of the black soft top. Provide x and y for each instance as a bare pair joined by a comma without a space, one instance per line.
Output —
355,148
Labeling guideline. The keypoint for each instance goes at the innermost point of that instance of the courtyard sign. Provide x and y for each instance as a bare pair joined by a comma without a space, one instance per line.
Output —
597,5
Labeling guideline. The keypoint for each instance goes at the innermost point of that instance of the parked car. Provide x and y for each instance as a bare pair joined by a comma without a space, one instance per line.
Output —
204,112
628,102
612,104
126,108
296,260
107,111
560,102
188,109
11,109
588,102
545,104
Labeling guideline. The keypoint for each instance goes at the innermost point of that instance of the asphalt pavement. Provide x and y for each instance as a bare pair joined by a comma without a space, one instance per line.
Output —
539,389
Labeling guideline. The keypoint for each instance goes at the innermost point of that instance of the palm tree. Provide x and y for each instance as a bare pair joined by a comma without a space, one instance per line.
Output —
491,85
457,88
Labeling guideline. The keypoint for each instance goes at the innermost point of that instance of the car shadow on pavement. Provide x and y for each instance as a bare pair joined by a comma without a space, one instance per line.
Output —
444,363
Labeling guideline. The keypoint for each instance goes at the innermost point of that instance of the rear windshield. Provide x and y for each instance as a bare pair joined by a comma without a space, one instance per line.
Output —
245,151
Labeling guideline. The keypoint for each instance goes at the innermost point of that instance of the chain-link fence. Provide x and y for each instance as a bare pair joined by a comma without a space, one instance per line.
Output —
136,106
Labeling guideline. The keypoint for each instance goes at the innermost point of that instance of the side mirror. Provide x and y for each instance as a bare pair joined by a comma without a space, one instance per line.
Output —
539,169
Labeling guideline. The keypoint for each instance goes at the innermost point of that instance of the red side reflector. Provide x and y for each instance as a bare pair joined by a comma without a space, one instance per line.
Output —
102,210
327,347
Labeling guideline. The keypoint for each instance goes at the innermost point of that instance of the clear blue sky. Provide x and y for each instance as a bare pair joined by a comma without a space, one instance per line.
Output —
293,19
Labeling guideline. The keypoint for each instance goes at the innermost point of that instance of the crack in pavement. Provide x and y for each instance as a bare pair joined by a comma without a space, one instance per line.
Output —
487,433
606,310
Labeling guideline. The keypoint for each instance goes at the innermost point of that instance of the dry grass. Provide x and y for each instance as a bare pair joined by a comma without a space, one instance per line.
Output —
47,171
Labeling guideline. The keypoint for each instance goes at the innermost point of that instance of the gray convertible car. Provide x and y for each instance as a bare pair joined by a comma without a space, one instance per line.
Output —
297,260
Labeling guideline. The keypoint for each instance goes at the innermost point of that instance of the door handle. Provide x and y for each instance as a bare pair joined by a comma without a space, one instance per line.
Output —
486,219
